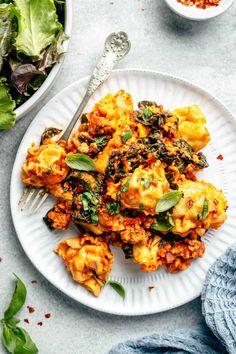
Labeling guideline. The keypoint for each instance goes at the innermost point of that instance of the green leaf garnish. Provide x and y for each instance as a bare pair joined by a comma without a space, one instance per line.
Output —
15,339
80,162
168,201
161,226
7,105
126,136
113,208
125,187
146,182
37,26
17,301
147,113
118,287
203,214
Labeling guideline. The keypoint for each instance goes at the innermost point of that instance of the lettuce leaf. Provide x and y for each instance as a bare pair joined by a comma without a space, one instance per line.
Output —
7,105
37,26
6,30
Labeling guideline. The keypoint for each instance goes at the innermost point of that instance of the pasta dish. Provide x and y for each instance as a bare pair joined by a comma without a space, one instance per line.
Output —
127,178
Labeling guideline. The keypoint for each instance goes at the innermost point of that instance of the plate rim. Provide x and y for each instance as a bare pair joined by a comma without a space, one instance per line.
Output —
44,274
198,16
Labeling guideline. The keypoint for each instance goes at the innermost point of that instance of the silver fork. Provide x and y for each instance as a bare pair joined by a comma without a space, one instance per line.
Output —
117,45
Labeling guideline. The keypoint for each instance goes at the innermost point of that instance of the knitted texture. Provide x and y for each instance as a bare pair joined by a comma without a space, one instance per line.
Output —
219,299
219,310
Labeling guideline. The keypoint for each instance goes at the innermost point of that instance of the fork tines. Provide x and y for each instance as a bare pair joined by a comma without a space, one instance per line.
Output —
35,203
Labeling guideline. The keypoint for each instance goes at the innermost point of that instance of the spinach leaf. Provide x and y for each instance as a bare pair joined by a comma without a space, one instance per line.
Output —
118,287
17,301
80,162
168,201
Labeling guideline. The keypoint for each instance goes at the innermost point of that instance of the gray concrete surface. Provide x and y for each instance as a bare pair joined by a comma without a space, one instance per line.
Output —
202,52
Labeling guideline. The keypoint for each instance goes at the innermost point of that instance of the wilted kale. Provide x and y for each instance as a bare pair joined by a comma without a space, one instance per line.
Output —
120,162
87,200
147,117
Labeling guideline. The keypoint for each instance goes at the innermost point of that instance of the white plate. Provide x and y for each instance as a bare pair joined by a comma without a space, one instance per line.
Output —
47,84
194,13
170,290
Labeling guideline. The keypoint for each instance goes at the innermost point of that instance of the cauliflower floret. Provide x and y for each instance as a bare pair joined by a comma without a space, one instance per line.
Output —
175,255
59,216
44,165
88,259
134,234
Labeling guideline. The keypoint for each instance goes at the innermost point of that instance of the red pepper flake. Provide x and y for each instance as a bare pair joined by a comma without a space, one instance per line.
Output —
26,320
220,157
151,287
31,309
34,282
190,203
215,201
40,324
47,315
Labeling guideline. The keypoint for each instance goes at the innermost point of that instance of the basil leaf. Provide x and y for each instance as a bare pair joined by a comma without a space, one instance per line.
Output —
17,301
126,136
12,322
80,162
117,287
168,201
17,341
125,187
203,214
113,208
161,226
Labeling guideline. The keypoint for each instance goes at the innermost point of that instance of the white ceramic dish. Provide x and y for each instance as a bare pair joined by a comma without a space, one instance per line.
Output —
41,92
170,290
196,14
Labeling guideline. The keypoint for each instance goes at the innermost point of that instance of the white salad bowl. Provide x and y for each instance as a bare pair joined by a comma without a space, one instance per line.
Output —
49,81
196,14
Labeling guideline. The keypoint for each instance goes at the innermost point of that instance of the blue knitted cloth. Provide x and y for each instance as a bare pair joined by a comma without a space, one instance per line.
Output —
217,336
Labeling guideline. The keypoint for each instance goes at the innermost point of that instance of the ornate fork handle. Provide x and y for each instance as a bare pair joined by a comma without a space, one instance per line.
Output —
116,47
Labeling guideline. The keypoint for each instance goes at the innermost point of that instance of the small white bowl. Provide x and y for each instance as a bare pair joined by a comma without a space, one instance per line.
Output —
40,93
196,14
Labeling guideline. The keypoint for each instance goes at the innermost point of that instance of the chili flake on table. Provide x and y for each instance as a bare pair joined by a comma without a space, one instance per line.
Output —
202,4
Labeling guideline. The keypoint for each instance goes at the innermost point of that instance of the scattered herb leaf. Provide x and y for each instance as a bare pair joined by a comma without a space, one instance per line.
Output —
17,301
203,214
168,201
118,287
113,208
15,339
80,162
126,136
125,187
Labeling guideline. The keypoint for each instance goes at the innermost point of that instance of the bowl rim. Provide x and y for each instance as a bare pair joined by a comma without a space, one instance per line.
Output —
196,14
49,81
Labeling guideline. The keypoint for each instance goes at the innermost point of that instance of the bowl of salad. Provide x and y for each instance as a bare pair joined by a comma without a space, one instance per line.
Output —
34,35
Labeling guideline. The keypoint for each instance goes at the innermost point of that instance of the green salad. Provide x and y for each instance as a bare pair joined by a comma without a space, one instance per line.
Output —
31,42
